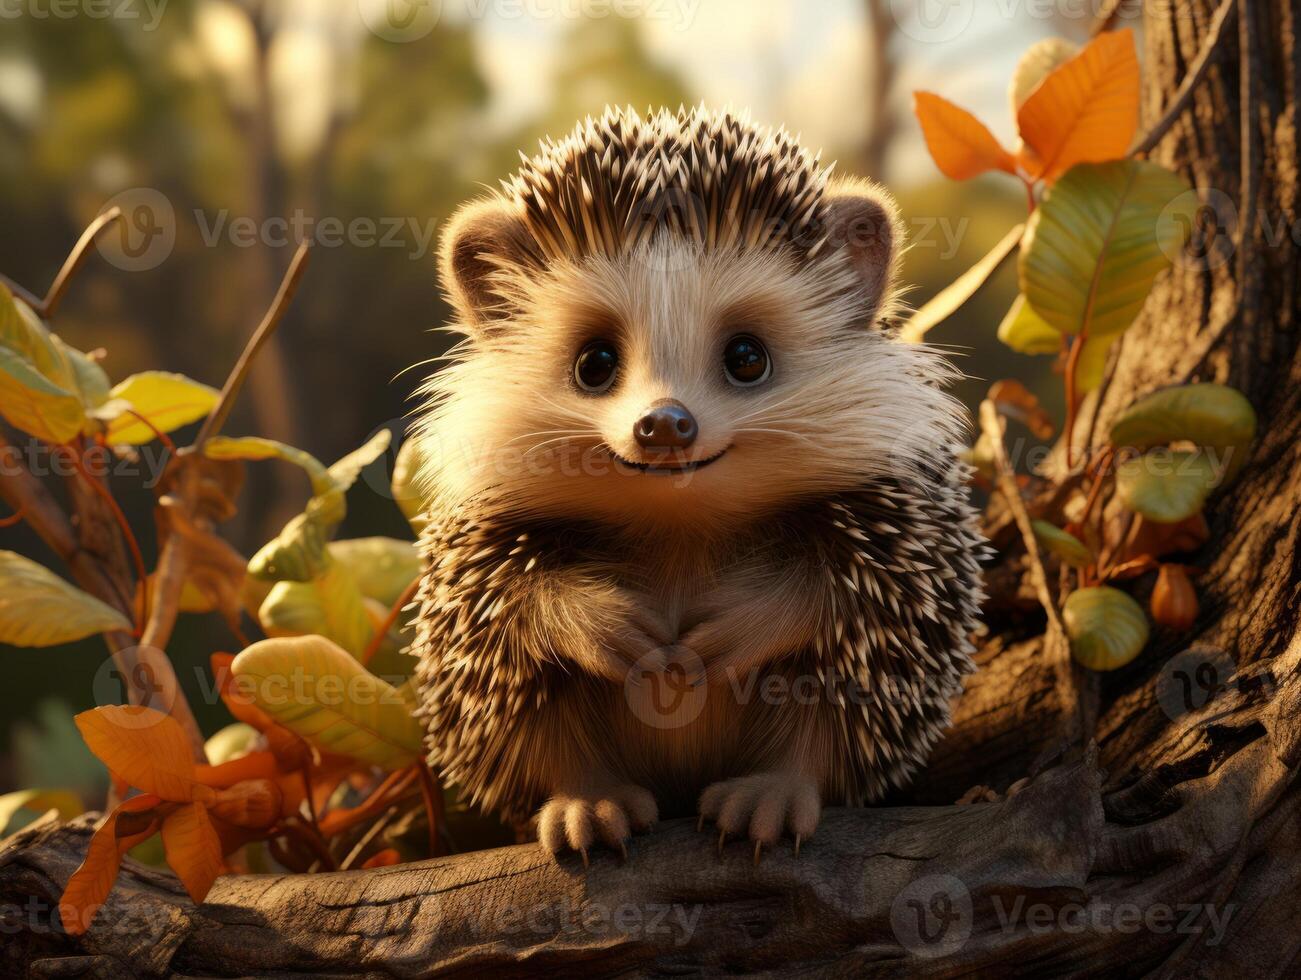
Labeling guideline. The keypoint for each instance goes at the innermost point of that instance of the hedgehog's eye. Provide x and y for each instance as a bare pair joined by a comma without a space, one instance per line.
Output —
746,361
595,368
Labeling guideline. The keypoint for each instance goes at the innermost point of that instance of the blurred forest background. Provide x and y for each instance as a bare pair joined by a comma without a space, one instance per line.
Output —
224,116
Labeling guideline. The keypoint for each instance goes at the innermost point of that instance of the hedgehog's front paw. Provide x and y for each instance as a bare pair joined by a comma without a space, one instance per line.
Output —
576,821
763,807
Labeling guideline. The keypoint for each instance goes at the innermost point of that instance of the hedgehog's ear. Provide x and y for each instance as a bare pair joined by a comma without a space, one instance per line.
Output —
863,221
480,238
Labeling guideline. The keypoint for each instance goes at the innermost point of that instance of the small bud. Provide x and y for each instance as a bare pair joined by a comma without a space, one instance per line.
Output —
1174,600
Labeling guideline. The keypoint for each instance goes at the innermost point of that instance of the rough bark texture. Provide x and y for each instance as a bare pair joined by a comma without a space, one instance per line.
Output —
1173,847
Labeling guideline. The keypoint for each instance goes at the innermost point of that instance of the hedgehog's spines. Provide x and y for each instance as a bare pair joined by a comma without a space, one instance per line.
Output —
711,177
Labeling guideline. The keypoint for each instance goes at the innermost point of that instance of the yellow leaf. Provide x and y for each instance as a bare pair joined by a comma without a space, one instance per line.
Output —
38,801
39,609
317,689
961,145
167,400
1085,110
145,747
193,848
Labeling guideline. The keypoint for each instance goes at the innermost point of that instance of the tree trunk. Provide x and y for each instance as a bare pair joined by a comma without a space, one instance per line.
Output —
1170,847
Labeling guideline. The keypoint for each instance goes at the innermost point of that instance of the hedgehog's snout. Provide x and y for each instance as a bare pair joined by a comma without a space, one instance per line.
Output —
668,425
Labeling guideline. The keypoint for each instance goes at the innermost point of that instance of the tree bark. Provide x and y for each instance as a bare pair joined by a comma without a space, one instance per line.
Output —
1170,846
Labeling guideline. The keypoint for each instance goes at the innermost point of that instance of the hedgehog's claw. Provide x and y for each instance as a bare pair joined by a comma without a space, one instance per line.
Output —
576,822
763,807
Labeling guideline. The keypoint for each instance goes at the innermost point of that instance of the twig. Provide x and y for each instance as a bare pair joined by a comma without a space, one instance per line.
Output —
952,298
46,307
394,612
1106,17
1056,645
101,491
433,806
1072,366
13,519
1215,35
1109,372
159,434
230,391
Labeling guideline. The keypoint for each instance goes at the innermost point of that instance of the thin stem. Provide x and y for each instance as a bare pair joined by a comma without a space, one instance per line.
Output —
46,307
1072,365
433,805
230,391
123,524
1201,64
394,612
1030,202
159,434
13,519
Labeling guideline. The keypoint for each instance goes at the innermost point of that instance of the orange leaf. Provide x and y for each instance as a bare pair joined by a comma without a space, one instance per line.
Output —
254,804
93,880
1085,110
193,848
961,145
383,859
145,747
1174,600
255,765
291,750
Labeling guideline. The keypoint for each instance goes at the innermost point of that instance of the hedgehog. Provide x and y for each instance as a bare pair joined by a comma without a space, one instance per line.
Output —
697,539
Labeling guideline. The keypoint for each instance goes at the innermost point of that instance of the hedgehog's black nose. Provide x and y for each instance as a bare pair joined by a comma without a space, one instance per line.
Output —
668,425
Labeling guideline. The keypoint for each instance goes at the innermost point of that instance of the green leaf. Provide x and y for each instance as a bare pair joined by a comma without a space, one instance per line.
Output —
167,400
406,484
1093,364
231,742
330,606
90,382
384,567
22,332
38,801
39,609
345,471
255,449
315,688
1063,544
954,296
1098,240
1167,487
1203,414
297,554
1026,331
1107,628
34,404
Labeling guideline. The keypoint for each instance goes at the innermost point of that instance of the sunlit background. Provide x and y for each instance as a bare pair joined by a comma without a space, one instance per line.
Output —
366,122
